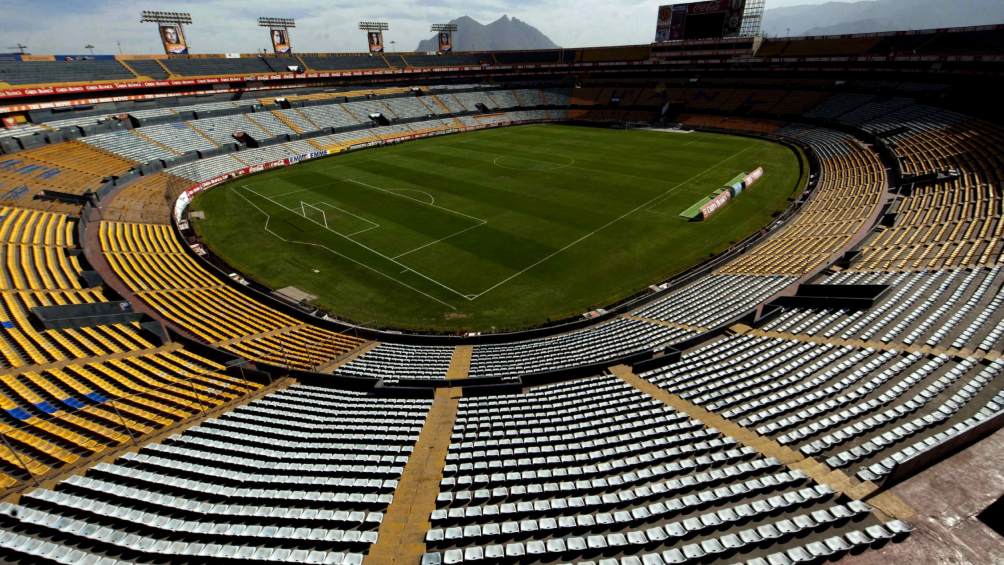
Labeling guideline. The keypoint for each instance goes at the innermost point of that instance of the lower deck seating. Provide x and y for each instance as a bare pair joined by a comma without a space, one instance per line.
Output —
68,394
851,185
595,469
854,408
611,340
149,199
947,309
400,361
714,300
301,475
150,261
69,167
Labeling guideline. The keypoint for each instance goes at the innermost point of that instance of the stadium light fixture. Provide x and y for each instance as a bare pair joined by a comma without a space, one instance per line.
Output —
374,26
444,27
277,23
157,17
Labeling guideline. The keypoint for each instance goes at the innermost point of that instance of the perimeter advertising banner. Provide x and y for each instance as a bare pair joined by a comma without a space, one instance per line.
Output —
700,20
751,178
280,41
173,39
716,204
445,42
375,40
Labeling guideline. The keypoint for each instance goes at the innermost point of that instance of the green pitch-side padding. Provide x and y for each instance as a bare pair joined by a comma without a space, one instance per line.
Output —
695,211
739,178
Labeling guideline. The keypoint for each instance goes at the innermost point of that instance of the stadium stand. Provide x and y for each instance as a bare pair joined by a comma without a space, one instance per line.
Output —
55,72
73,393
245,486
149,68
343,62
850,406
152,262
71,168
400,361
214,66
611,340
624,475
775,439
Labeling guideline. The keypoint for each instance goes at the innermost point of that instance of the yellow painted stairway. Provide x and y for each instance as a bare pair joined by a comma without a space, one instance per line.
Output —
401,538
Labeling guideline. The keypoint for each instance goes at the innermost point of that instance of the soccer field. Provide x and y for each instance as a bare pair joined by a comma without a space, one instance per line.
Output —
494,229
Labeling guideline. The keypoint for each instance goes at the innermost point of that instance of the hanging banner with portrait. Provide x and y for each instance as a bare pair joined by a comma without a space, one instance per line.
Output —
280,41
173,39
375,40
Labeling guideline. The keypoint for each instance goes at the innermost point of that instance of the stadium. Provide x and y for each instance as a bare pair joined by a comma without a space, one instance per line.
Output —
717,298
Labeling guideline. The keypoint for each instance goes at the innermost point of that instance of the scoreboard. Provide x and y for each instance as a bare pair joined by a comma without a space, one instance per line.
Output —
700,20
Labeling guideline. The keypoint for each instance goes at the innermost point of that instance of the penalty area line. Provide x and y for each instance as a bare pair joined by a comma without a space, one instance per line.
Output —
366,247
266,229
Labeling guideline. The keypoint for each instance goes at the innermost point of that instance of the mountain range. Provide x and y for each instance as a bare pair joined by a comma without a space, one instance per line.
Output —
835,18
502,34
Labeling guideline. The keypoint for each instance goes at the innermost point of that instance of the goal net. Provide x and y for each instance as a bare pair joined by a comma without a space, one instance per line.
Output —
314,214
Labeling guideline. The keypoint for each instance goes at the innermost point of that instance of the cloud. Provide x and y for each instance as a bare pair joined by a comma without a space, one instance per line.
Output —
221,26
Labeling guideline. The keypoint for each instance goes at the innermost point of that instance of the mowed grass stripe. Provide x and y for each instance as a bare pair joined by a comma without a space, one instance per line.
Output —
554,243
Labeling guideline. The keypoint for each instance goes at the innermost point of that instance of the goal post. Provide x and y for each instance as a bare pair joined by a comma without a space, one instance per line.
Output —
314,214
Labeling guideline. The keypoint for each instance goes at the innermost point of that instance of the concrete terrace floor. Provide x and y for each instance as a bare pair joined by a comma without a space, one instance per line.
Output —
947,499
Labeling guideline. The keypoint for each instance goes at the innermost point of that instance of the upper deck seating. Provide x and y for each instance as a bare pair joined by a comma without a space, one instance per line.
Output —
343,62
55,72
216,66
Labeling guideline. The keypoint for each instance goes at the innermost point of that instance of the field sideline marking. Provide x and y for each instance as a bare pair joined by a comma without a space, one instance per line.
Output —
268,218
611,222
366,247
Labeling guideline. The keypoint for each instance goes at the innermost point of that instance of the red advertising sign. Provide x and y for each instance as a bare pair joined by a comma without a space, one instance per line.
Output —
716,204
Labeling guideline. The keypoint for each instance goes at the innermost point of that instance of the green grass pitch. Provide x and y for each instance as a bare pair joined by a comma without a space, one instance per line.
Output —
496,229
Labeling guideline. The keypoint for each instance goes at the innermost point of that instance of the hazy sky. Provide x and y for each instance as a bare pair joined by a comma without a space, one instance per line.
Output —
66,26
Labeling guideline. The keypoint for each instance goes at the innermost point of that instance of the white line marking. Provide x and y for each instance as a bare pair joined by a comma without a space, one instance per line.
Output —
290,193
373,225
610,223
432,199
366,247
440,240
268,218
437,206
480,221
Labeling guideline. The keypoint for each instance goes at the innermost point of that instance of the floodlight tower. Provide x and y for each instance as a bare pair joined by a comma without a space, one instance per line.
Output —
282,25
374,34
177,20
447,29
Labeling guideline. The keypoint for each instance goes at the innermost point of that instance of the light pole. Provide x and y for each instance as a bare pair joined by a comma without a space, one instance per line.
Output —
89,47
